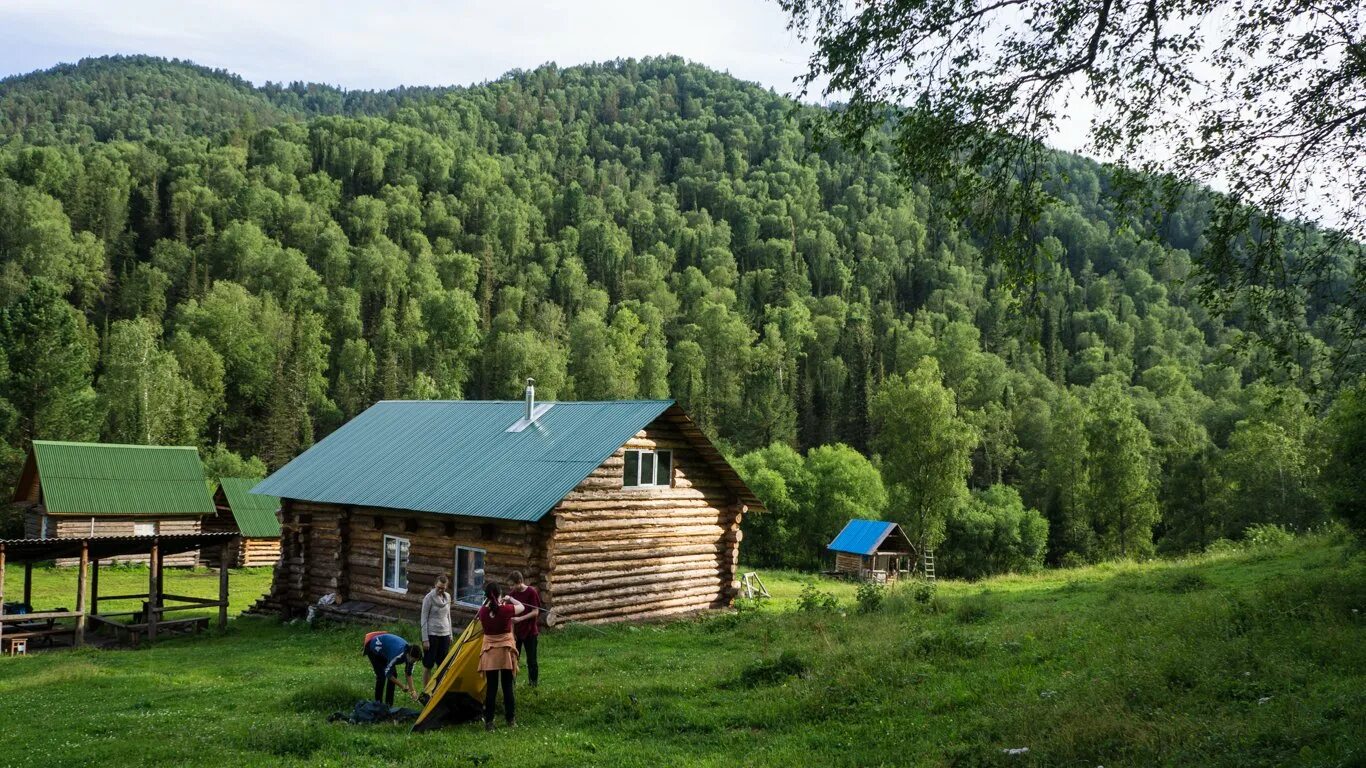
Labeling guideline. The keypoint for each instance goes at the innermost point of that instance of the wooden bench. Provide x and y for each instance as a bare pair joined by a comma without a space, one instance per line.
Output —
134,633
28,634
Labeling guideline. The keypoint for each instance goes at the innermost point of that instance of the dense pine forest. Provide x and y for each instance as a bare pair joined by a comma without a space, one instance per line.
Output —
188,259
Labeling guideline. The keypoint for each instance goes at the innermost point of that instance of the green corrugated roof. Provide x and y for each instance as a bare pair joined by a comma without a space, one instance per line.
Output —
254,512
107,479
457,457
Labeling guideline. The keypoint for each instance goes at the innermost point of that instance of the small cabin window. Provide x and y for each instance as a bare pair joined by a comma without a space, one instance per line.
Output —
395,564
647,469
469,575
144,529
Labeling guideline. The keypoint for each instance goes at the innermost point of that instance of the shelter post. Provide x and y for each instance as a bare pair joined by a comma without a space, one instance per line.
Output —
153,589
28,586
80,593
2,587
223,554
95,586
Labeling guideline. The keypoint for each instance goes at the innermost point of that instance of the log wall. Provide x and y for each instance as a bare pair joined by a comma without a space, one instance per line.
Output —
73,527
623,553
848,563
328,548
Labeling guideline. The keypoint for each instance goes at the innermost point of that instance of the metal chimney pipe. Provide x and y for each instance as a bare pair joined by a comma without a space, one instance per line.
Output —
530,399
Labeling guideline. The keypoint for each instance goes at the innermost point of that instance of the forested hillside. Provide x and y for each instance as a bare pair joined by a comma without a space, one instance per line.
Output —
187,259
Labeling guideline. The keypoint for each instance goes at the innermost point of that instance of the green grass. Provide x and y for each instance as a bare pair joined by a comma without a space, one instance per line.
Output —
1251,658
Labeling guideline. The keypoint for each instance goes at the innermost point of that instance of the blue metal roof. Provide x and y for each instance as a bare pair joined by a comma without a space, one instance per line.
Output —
861,537
457,457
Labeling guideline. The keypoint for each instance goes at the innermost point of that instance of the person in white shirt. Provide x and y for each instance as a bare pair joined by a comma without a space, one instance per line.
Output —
436,626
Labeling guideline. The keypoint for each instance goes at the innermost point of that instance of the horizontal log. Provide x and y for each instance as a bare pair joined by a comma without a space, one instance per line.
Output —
606,567
655,613
624,604
631,581
638,553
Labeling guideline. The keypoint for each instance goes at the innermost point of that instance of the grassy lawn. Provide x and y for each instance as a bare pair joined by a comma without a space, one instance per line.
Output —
1252,658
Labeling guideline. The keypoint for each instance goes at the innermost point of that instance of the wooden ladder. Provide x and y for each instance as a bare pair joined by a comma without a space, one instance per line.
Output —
753,586
928,564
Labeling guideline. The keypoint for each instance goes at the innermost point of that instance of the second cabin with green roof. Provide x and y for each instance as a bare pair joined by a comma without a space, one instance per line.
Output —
614,510
72,490
253,515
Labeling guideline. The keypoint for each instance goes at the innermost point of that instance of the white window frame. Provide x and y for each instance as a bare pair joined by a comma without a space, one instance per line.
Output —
654,469
143,526
478,601
390,567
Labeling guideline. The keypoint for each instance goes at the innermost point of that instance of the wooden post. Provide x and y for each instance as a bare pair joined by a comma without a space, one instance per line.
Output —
223,585
80,593
95,587
2,588
28,586
153,590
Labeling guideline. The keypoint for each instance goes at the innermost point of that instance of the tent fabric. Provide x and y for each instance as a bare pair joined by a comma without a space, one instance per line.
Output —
455,692
862,537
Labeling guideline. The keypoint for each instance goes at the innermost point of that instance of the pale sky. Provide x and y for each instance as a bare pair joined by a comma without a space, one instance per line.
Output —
379,45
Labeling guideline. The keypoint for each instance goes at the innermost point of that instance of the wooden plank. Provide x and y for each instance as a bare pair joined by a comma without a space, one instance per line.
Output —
28,585
95,587
17,617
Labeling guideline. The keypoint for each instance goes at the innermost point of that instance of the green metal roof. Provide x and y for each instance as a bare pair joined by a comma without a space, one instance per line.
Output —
458,457
108,479
254,512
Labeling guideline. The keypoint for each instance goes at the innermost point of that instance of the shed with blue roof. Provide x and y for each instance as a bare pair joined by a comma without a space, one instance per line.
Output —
614,510
872,550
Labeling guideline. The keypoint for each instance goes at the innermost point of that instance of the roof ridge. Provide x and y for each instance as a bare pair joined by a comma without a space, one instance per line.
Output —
117,445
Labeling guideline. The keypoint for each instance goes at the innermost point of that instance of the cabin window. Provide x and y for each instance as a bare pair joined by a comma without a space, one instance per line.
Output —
47,530
647,469
469,575
144,529
395,564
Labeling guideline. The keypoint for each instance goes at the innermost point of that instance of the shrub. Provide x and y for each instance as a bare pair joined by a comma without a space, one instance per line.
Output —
812,599
1267,536
922,592
870,596
993,533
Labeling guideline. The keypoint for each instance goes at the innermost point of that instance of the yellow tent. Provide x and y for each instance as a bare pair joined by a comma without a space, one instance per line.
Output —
456,690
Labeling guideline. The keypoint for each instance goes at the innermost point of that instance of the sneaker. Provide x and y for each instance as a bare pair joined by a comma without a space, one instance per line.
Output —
489,726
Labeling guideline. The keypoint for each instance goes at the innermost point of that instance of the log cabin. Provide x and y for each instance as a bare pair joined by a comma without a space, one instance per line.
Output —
252,515
872,550
614,510
82,490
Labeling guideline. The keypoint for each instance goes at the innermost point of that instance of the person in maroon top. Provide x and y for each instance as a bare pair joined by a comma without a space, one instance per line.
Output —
528,631
498,656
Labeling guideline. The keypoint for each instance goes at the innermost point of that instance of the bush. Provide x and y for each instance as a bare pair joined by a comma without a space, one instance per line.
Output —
922,592
870,596
812,599
993,533
1267,536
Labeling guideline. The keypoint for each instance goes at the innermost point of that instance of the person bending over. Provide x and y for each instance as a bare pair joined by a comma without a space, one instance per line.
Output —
498,655
385,652
436,627
527,631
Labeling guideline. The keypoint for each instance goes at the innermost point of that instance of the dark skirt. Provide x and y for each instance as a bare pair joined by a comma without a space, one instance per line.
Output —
437,648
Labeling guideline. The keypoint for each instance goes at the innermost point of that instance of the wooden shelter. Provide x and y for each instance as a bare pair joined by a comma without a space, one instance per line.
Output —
88,490
615,510
252,515
20,621
872,550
